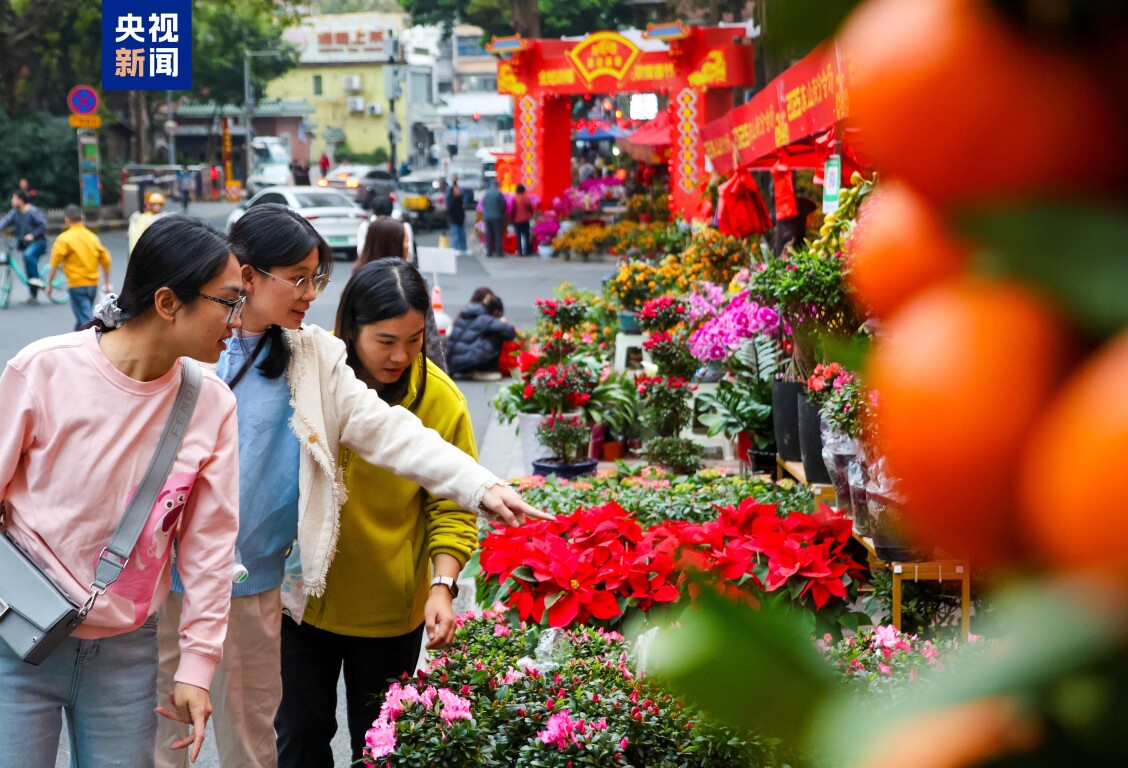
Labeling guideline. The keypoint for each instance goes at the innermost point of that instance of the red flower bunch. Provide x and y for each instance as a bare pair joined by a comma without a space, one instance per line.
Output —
828,378
598,564
661,314
567,313
559,388
670,352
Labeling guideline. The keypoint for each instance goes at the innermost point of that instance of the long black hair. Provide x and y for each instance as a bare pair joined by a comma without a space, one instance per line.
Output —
174,252
383,290
267,236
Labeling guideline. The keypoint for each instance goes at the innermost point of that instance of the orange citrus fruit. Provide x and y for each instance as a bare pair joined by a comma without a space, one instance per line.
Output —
898,247
1073,501
954,101
963,371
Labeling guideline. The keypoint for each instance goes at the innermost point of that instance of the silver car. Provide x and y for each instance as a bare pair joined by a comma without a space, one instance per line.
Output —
334,215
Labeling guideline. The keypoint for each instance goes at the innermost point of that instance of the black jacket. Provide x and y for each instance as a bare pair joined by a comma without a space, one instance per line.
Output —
456,207
475,339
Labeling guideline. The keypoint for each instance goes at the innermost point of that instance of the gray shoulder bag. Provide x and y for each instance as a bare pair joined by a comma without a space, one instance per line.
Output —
35,615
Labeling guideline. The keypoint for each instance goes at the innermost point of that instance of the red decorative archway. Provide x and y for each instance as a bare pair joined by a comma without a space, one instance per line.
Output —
697,67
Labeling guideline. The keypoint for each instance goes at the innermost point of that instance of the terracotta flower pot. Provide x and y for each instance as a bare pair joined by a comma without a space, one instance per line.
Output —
613,450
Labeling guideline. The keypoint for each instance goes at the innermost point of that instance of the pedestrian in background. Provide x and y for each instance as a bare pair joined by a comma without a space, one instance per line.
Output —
299,404
184,188
80,415
80,254
371,619
140,220
30,227
477,336
494,209
523,211
323,164
456,216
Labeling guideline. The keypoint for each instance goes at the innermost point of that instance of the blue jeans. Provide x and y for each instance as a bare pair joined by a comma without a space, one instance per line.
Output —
31,256
82,304
458,237
106,687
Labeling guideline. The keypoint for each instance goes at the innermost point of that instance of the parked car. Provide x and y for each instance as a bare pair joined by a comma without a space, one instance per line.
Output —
348,177
423,199
378,180
332,214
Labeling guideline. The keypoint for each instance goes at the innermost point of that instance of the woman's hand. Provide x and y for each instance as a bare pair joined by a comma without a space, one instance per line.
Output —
191,705
440,618
502,504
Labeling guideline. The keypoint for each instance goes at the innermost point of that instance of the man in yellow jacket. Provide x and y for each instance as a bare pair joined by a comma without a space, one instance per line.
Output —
140,220
80,254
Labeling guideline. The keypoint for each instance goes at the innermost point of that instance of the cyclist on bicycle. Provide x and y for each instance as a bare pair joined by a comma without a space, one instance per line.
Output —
30,226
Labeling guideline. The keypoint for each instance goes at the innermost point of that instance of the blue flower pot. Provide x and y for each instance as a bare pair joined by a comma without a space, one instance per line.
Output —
628,323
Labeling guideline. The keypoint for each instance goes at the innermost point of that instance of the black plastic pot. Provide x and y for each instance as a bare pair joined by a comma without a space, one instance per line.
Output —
546,467
810,441
785,418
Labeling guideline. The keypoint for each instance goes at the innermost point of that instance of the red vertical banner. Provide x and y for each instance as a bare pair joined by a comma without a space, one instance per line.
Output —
687,161
528,134
556,152
785,203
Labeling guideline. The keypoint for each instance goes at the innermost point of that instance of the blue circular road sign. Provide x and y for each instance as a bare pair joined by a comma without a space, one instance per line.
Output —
83,100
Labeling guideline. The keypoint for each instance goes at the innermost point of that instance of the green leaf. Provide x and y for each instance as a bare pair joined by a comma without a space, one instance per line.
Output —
753,668
1074,253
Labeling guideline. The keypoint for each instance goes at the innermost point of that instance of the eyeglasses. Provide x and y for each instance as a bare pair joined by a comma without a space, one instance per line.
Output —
318,282
234,306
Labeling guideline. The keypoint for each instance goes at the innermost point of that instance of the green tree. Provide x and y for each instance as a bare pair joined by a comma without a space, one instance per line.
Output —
222,30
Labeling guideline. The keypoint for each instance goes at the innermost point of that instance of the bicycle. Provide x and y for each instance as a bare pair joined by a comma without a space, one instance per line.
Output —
11,263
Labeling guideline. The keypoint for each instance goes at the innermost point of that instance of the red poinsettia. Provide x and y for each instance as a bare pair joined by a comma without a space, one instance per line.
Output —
599,564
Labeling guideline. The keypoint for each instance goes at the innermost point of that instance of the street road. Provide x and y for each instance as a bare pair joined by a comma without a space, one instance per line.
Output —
517,281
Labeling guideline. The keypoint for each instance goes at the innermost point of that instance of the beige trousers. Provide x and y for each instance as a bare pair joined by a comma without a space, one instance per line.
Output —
247,687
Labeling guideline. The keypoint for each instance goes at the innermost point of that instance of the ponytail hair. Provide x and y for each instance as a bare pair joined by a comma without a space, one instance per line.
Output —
267,236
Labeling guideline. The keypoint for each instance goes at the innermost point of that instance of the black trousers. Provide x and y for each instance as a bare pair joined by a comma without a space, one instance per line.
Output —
522,238
495,237
311,665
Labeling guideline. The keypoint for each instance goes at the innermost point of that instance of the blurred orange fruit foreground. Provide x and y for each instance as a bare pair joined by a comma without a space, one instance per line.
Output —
1074,502
963,372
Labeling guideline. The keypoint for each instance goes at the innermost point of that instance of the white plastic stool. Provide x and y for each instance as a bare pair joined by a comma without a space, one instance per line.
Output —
624,343
697,432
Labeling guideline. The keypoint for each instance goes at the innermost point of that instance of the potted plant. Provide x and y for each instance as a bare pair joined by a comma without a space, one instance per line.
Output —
567,439
671,354
677,454
632,285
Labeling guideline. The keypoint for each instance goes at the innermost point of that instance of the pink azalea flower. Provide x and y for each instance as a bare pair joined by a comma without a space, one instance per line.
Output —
501,630
884,669
381,738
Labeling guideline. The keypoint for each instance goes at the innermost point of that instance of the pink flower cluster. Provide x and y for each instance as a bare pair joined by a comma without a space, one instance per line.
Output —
741,319
706,302
380,740
561,730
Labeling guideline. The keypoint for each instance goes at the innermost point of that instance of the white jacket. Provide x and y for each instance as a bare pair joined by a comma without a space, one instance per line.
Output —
333,408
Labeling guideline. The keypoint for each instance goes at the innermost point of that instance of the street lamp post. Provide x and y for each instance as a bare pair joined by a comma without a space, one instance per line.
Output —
249,107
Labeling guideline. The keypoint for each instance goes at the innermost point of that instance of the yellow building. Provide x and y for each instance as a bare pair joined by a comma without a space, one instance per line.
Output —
341,72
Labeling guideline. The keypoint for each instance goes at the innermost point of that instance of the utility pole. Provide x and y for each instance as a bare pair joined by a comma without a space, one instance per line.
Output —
249,107
393,91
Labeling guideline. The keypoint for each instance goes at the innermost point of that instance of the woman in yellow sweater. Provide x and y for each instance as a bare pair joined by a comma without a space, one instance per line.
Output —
400,549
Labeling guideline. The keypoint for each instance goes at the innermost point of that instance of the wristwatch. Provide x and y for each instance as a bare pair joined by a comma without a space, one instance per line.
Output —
447,582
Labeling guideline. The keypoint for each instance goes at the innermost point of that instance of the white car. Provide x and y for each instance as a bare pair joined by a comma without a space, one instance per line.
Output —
332,213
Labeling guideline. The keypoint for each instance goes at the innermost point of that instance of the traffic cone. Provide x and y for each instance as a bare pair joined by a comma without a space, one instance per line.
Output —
442,319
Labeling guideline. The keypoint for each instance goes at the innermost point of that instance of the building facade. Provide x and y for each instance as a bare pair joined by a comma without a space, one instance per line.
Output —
346,64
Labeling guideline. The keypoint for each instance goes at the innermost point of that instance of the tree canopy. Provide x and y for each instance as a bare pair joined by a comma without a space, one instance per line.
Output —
557,18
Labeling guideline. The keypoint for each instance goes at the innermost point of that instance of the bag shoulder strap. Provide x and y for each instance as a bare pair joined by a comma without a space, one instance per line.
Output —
115,556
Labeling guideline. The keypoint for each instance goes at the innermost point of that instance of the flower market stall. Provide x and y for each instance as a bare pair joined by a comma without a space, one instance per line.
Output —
698,67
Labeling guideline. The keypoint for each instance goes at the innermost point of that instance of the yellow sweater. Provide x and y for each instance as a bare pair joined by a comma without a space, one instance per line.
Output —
80,252
391,529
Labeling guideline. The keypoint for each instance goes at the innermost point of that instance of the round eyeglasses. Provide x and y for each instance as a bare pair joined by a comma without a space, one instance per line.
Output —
234,306
317,282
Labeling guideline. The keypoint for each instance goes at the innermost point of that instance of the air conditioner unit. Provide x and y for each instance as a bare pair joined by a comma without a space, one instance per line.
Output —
352,83
376,109
356,103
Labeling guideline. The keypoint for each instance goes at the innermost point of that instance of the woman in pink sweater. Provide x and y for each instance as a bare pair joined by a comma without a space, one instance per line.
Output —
80,416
